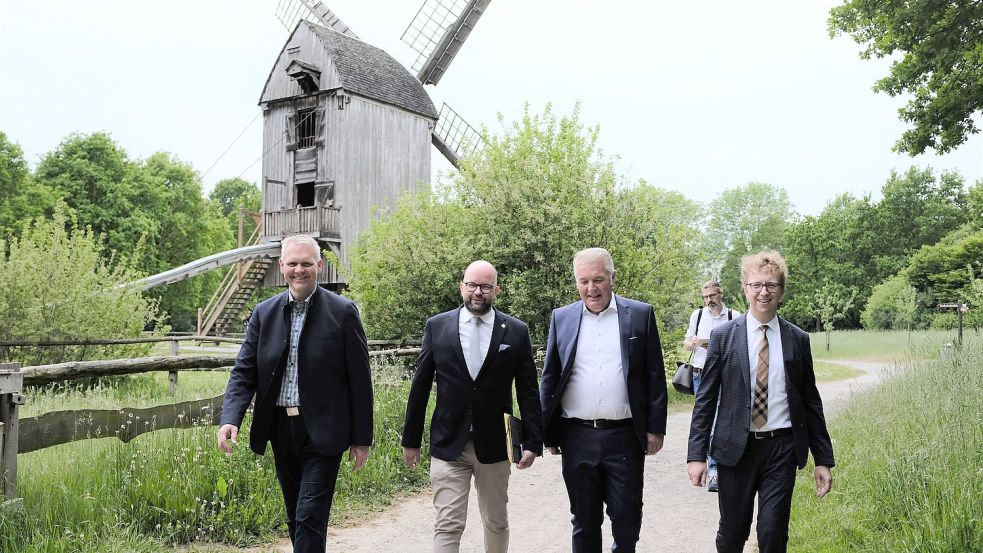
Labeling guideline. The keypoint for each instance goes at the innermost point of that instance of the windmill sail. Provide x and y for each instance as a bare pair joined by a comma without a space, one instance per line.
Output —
453,136
289,12
437,33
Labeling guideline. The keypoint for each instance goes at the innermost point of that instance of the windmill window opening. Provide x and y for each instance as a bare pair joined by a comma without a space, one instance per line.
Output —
307,129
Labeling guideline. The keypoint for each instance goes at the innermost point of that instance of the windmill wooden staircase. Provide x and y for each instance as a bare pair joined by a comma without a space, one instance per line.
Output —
222,315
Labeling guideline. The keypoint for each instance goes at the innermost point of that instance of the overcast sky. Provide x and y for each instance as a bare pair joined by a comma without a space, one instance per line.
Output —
691,96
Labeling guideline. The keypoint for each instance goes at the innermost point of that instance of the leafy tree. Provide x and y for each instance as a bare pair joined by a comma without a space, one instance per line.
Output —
947,268
21,199
54,285
231,195
937,46
527,202
744,220
891,306
832,302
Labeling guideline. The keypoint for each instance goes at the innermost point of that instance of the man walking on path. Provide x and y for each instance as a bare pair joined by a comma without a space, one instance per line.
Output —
474,353
604,402
306,361
769,415
701,323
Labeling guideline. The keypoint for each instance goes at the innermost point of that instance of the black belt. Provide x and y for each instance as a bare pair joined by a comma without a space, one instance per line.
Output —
600,423
770,433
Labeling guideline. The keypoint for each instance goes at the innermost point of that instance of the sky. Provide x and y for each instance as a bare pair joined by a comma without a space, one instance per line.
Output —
697,97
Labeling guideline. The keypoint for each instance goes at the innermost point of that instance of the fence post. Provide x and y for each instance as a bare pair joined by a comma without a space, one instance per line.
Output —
11,385
172,375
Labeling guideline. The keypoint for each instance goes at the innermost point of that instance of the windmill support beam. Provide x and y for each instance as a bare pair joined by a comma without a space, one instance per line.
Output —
445,149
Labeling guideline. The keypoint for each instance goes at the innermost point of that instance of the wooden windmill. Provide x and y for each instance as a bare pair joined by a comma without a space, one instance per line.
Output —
346,130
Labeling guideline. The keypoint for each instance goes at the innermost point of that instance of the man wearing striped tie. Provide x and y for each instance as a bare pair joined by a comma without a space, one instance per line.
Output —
769,416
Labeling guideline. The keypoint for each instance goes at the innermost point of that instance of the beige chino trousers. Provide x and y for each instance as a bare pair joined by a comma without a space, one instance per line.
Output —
451,483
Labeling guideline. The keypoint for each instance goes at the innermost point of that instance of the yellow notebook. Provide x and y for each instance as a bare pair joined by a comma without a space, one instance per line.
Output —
513,437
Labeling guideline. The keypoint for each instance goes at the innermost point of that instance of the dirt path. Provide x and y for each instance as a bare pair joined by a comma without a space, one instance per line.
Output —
677,517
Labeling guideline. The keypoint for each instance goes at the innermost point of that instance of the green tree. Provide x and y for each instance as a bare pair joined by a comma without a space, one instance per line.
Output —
891,306
744,220
947,268
527,202
54,285
937,46
231,195
832,302
21,199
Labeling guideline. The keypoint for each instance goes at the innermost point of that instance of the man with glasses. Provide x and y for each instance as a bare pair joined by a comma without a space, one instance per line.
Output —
475,353
701,323
769,414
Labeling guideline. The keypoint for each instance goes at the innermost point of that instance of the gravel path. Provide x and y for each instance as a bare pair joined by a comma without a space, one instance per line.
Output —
677,517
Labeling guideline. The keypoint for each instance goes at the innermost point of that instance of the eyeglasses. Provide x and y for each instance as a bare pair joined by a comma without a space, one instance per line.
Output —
713,295
472,286
757,286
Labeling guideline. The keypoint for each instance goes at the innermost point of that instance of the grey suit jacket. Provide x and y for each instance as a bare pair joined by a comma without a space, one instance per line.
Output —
727,373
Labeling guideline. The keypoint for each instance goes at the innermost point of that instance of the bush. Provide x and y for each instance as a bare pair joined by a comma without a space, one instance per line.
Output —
891,306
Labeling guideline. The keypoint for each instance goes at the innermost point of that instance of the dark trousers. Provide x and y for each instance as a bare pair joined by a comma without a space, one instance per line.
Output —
767,470
603,466
307,480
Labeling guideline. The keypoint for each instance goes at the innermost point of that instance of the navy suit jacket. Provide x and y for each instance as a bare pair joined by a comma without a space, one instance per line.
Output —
463,402
641,360
727,373
332,373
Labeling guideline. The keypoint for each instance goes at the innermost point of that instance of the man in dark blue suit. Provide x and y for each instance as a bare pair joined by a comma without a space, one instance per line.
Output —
306,361
769,416
604,402
475,354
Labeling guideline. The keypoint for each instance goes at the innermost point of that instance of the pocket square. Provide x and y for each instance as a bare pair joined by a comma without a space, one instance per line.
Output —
503,347
633,338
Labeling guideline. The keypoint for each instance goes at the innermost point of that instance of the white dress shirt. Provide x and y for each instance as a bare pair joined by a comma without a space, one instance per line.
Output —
597,388
465,327
778,416
708,322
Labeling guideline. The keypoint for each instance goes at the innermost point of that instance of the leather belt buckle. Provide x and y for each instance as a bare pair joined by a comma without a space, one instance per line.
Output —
292,411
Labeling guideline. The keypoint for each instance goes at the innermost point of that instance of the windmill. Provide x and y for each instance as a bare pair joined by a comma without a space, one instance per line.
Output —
436,34
347,129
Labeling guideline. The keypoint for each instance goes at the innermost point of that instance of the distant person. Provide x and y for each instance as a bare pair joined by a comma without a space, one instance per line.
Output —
474,353
701,322
604,402
769,416
313,395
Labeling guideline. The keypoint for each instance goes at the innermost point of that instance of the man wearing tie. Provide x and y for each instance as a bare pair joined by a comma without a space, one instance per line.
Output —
769,415
475,353
604,402
306,361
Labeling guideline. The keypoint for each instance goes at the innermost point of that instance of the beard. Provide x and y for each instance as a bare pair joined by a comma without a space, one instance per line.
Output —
479,307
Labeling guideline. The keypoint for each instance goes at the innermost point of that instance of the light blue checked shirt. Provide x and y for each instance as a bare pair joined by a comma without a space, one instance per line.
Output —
289,392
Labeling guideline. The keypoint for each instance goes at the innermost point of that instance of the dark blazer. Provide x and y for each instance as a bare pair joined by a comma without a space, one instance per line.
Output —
641,358
332,373
727,372
463,402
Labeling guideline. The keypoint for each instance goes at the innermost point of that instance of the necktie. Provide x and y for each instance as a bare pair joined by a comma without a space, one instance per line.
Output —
759,412
474,363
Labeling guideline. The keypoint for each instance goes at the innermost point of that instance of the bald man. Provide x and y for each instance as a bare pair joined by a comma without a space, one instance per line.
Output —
475,353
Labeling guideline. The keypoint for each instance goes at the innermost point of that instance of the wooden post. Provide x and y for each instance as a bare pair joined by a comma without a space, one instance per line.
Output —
11,384
172,375
198,332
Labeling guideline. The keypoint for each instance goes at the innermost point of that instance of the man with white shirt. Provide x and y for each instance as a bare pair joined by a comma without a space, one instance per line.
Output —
769,413
701,323
604,402
475,354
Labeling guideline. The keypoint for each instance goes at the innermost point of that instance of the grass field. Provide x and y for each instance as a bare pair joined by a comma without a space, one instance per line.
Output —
909,455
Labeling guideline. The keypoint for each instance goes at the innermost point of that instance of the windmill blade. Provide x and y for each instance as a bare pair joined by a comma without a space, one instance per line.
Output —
437,33
454,137
289,12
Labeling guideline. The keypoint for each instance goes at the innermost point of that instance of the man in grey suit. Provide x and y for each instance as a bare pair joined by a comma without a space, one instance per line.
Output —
769,416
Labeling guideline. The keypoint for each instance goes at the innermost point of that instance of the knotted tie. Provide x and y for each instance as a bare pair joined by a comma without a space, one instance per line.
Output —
759,412
474,363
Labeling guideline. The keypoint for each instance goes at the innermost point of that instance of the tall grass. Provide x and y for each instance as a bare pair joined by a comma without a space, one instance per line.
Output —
174,486
909,455
886,345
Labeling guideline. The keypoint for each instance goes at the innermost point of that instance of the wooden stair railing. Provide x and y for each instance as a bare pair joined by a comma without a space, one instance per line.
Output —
221,315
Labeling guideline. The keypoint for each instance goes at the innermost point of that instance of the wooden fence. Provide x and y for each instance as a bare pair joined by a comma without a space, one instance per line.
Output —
59,427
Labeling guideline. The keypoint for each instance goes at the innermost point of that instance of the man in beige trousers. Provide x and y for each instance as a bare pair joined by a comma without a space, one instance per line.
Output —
475,354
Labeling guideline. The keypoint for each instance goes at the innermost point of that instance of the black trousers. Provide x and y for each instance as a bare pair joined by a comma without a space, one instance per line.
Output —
307,480
767,470
603,467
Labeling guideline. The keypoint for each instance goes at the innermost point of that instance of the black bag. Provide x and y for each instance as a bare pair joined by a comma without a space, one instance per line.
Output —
682,381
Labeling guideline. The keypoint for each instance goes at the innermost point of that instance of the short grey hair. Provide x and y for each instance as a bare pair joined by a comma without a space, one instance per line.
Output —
713,284
300,239
593,255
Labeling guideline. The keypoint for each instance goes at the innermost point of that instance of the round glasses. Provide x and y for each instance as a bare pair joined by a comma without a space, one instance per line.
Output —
472,286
